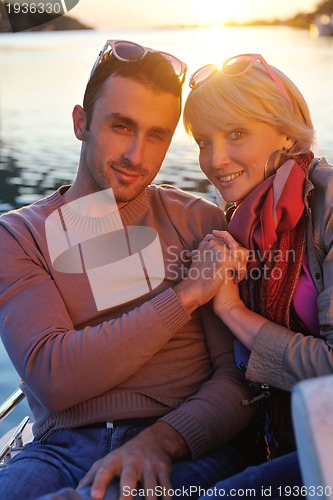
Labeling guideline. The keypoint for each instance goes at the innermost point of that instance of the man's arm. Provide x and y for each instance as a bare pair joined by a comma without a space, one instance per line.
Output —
40,337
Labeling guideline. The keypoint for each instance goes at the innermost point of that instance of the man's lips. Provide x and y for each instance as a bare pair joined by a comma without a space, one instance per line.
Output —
126,174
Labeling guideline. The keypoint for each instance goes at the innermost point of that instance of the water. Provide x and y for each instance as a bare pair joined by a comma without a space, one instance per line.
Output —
42,76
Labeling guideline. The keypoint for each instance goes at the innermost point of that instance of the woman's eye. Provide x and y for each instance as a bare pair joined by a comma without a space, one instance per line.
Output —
202,143
235,135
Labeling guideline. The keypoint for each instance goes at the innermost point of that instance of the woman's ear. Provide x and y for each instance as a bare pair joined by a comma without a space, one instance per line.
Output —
288,144
79,122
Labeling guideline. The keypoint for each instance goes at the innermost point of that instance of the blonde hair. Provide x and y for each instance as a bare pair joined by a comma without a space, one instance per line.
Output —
226,100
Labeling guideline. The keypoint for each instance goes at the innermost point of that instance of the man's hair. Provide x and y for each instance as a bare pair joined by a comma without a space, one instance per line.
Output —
226,101
153,70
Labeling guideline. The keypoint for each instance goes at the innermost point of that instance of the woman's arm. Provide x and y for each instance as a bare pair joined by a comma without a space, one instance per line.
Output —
279,356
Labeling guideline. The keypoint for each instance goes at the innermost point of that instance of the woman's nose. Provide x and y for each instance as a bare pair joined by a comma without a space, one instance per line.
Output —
220,154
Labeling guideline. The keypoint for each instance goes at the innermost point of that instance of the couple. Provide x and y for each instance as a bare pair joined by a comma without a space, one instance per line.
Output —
125,366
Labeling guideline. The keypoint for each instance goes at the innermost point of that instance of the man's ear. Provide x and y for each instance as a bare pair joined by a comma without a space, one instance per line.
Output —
79,122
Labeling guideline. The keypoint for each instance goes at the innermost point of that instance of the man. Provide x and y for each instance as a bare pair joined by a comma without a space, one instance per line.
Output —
99,309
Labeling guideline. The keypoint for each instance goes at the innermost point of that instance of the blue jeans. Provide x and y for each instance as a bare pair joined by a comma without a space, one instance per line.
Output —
279,478
50,468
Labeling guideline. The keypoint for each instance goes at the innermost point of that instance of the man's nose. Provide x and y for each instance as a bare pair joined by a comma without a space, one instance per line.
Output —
135,150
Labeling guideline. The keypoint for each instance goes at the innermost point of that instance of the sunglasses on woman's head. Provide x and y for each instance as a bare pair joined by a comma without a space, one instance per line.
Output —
237,66
126,51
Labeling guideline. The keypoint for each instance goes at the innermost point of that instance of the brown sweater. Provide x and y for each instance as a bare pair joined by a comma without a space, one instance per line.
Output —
81,364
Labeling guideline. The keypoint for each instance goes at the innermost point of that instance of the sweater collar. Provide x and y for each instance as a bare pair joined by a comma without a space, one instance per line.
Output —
129,213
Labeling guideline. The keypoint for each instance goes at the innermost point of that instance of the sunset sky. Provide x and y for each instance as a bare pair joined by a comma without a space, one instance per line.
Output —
104,14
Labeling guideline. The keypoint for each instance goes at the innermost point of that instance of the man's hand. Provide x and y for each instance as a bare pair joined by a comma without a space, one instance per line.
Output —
146,459
218,257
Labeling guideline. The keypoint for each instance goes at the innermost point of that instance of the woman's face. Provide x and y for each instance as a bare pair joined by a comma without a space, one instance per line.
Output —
234,158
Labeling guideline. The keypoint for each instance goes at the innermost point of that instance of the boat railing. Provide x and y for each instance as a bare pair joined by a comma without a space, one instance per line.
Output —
15,442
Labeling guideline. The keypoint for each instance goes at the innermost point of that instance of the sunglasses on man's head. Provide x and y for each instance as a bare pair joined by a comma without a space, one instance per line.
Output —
126,51
236,66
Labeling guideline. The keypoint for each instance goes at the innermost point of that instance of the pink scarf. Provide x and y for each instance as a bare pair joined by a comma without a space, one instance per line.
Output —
270,222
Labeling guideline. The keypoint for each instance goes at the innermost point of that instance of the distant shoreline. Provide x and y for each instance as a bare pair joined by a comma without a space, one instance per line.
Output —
301,21
65,22
62,23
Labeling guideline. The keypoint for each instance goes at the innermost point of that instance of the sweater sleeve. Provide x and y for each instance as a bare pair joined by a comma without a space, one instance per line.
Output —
214,414
40,338
194,217
281,357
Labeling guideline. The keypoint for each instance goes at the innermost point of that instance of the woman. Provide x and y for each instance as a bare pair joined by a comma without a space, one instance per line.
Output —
255,135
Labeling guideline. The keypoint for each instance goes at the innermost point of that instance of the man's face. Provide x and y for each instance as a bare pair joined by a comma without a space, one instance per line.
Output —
130,131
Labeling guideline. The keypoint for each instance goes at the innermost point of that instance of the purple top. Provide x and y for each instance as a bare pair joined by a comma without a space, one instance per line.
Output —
305,300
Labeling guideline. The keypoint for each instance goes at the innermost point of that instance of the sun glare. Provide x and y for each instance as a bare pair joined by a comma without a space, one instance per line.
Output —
211,13
214,45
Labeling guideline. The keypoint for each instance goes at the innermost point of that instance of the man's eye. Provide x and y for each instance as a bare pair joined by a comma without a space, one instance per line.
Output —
157,137
119,126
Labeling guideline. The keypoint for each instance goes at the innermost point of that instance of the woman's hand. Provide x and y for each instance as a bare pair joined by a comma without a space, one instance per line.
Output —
233,256
218,257
228,305
212,261
227,298
237,254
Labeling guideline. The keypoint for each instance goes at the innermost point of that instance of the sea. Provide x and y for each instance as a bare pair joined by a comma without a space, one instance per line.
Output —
44,74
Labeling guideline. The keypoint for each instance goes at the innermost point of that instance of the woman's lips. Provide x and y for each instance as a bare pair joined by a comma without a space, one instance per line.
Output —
230,177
